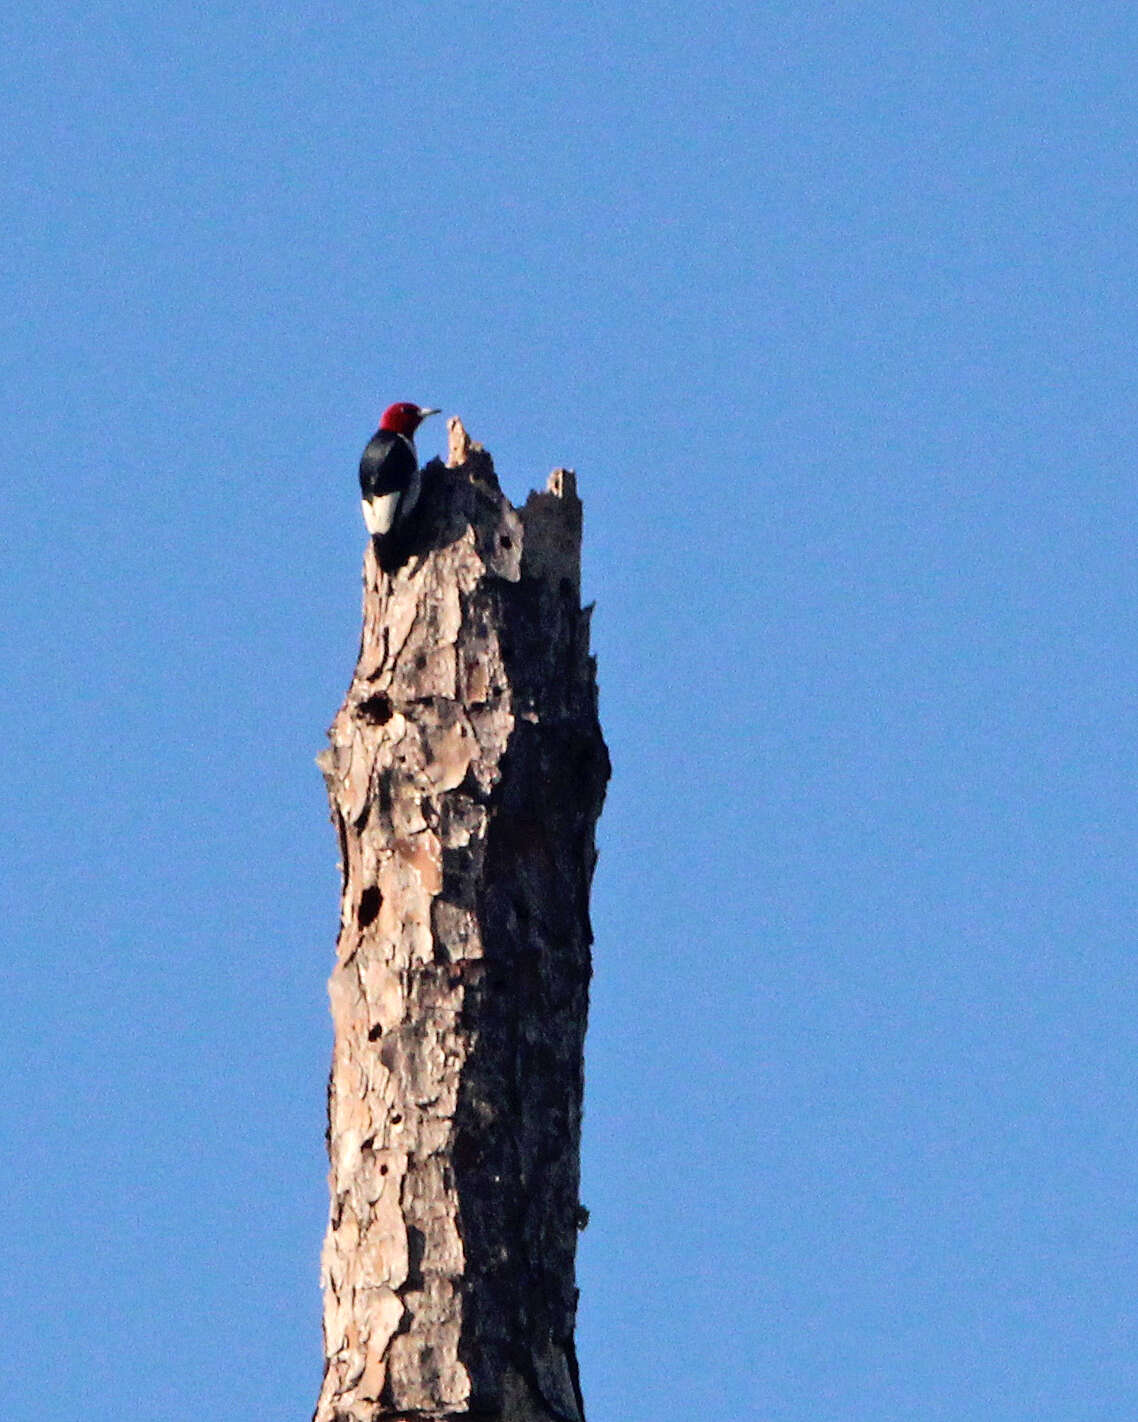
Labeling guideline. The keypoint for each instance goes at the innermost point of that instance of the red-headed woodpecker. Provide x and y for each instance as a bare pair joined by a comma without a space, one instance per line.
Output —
389,471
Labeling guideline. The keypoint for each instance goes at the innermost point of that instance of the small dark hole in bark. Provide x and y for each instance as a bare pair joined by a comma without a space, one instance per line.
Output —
420,661
367,1145
396,1119
374,1033
506,541
416,1248
376,709
383,1171
370,901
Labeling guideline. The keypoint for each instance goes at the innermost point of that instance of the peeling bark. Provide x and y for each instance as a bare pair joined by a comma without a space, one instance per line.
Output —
465,773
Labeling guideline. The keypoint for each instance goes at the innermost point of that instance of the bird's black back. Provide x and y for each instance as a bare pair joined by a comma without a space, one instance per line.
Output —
387,465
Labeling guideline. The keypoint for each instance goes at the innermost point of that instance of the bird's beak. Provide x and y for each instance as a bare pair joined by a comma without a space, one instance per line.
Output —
424,412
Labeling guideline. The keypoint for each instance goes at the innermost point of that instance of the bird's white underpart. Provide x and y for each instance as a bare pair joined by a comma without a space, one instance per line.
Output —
379,513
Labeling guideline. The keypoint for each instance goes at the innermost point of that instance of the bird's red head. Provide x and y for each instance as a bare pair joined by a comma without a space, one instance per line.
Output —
404,418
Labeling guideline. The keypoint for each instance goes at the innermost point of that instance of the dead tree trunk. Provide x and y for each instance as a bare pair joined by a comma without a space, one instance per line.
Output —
466,772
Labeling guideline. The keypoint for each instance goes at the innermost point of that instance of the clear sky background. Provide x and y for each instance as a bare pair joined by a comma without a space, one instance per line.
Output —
833,308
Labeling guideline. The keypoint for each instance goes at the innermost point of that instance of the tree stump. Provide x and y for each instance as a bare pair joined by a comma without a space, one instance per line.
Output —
466,773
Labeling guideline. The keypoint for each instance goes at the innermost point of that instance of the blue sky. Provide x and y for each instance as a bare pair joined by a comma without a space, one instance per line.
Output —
832,306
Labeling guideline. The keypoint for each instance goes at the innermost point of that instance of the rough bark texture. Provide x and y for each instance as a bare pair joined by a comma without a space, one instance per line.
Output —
466,772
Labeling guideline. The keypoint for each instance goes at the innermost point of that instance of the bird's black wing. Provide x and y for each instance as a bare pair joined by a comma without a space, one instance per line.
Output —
388,464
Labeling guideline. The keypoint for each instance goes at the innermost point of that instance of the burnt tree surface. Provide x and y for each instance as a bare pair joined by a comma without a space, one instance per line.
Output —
466,772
